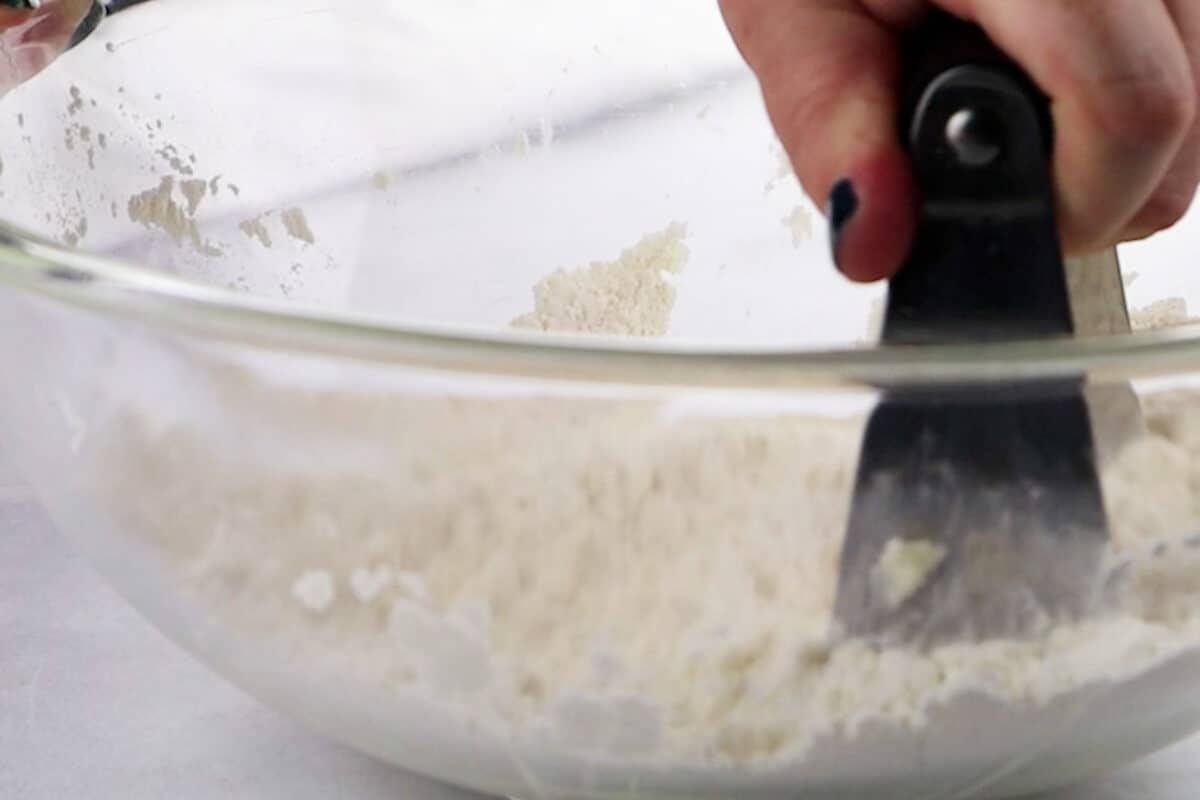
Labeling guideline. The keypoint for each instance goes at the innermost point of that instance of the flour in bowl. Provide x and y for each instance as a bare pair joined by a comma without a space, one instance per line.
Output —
517,554
640,574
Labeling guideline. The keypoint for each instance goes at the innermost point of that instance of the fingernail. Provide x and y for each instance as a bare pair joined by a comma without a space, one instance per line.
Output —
843,204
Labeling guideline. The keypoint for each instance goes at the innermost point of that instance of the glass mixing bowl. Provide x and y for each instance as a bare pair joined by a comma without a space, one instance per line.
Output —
260,270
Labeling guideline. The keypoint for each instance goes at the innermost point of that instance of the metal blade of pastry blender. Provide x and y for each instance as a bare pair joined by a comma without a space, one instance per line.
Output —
1097,291
1099,308
977,510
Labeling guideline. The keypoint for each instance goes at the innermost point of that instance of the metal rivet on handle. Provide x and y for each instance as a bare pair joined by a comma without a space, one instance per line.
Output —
977,137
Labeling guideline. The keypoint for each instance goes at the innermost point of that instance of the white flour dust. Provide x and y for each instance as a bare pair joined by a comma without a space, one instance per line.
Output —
179,196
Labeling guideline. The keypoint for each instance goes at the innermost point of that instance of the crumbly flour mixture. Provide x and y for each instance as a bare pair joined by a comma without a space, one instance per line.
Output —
661,565
632,296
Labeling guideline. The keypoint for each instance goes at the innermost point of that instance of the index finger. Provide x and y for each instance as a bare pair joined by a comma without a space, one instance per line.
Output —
1123,97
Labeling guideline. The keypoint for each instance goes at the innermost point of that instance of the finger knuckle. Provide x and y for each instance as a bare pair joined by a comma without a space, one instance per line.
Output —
1146,106
1167,207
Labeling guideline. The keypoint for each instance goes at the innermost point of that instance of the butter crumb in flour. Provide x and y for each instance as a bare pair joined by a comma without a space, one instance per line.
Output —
367,583
904,567
315,590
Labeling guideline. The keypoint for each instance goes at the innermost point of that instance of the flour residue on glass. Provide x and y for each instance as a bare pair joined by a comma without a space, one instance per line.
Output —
632,295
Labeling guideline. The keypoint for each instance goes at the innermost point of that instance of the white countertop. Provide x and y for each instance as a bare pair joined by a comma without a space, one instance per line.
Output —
95,704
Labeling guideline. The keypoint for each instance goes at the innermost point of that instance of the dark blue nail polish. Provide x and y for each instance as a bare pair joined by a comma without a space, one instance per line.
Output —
843,205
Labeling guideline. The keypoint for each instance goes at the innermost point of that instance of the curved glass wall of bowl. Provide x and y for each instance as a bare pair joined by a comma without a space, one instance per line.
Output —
410,557
362,158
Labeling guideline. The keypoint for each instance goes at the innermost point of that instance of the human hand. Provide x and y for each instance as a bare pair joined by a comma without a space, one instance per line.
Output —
31,38
1121,75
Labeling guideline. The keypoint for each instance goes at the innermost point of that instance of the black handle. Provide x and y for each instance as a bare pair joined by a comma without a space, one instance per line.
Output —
120,5
986,263
87,25
99,10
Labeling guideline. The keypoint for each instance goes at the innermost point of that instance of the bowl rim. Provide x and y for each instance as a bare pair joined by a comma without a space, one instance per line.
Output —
120,290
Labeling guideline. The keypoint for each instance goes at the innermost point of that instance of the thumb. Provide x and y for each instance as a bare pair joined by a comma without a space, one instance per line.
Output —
829,73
